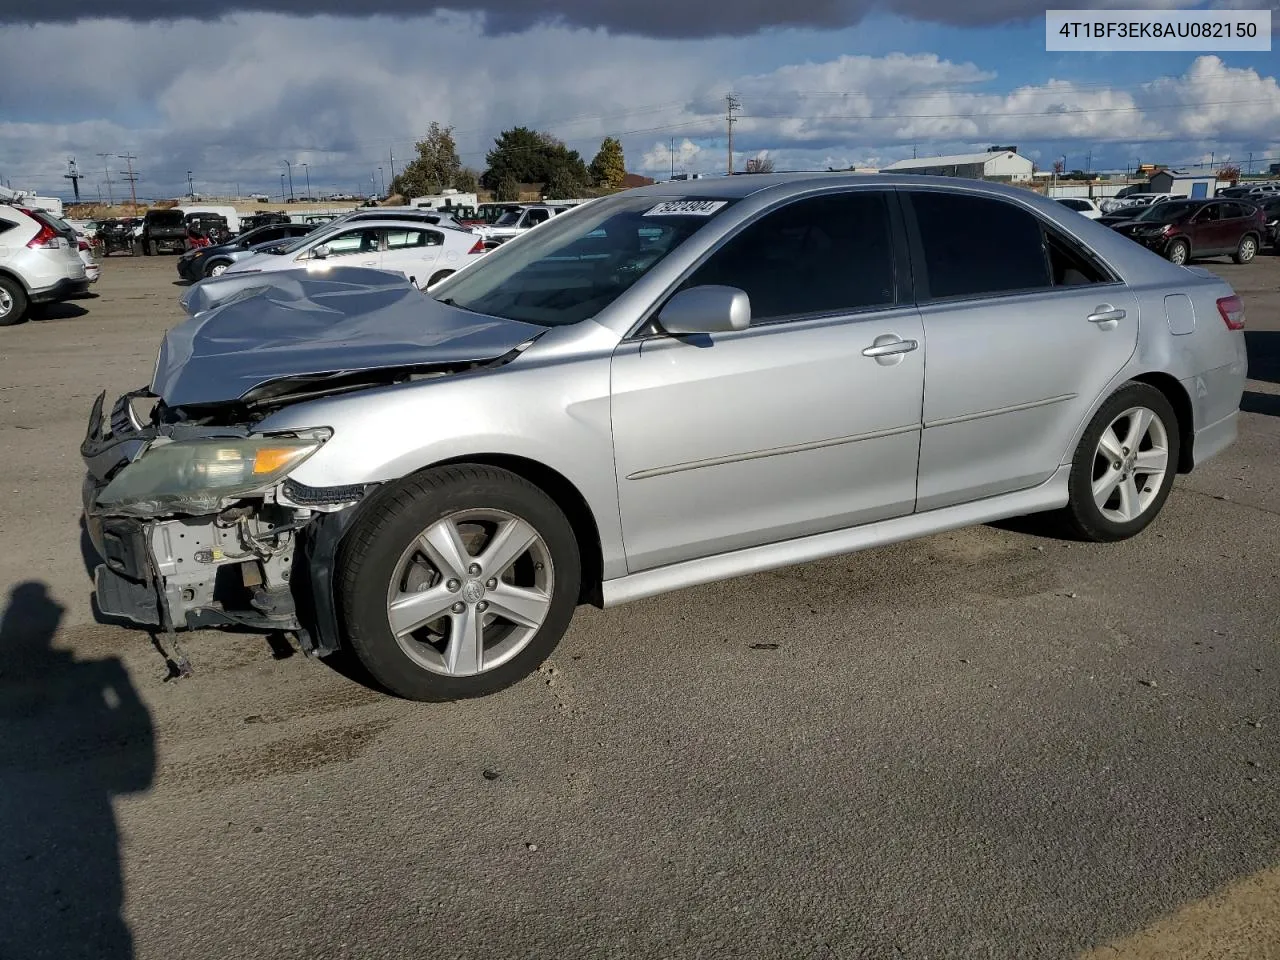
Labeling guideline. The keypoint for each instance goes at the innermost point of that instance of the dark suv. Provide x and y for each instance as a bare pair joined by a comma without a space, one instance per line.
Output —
164,230
1182,229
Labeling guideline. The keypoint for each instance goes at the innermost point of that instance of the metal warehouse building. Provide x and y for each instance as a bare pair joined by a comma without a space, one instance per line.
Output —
1184,184
1006,164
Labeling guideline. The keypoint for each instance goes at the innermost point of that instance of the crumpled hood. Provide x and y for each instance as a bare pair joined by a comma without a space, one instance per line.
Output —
264,327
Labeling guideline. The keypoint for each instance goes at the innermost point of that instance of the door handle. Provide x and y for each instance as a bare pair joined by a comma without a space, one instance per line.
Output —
890,348
1106,314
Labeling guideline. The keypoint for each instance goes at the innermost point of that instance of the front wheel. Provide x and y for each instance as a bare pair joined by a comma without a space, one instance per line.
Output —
1124,467
1179,252
216,269
1247,250
458,582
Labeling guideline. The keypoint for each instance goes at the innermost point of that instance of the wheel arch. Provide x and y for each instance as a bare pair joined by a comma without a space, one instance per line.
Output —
1178,398
567,497
16,278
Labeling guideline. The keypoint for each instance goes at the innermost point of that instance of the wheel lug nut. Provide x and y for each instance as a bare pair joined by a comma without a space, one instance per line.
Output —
482,606
1116,464
454,586
492,584
474,569
459,608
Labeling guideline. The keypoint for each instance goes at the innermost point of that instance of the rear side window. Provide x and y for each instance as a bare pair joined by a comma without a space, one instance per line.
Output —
6,225
824,255
977,246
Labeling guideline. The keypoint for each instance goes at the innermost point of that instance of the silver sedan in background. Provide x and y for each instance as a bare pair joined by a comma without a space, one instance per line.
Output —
670,386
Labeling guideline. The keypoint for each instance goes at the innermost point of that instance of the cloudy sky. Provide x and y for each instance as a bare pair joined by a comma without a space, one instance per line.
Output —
822,83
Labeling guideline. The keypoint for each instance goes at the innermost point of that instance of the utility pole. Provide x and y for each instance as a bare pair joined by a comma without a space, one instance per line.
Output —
191,187
913,151
1211,156
307,167
673,158
74,176
290,166
104,156
133,180
1088,161
734,104
391,152
1249,168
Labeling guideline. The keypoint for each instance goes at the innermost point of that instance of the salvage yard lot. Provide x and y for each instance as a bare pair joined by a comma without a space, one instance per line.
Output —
985,743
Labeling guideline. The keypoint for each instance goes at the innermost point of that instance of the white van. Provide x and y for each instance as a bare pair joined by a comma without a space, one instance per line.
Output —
233,218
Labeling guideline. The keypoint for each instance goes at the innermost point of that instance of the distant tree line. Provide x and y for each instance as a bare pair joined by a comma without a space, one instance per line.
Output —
519,156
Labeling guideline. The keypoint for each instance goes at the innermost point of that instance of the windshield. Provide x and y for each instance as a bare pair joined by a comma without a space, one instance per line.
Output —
509,219
578,263
1170,211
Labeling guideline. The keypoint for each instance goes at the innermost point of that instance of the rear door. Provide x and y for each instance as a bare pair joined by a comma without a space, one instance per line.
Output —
412,251
1024,330
1208,230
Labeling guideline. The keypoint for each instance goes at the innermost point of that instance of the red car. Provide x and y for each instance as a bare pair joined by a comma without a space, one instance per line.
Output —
1181,229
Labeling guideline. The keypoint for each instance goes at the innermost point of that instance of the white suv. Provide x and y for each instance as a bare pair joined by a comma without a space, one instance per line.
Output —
39,262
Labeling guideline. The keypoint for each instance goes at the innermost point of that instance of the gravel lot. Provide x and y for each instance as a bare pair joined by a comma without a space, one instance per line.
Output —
984,744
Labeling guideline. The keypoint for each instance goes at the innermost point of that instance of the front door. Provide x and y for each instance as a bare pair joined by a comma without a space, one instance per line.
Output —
1025,330
808,421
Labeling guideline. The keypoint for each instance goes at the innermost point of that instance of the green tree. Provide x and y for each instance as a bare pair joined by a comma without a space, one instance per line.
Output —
507,190
467,180
436,167
527,156
609,166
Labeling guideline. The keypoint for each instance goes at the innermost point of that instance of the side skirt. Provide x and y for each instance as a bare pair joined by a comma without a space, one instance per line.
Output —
1050,495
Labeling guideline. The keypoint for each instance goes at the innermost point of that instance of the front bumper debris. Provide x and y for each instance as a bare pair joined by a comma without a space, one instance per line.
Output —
249,565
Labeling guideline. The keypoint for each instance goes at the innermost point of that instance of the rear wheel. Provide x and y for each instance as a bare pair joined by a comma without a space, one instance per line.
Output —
1179,252
1247,250
458,582
1125,465
13,302
438,276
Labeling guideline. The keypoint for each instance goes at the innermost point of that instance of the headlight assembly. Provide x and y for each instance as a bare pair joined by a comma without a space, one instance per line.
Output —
195,476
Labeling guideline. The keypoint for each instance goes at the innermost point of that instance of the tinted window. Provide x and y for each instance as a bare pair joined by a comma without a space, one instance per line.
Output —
976,246
1075,204
1070,265
534,217
1208,214
830,254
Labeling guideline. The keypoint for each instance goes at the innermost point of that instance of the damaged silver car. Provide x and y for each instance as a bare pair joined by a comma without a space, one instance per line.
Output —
650,392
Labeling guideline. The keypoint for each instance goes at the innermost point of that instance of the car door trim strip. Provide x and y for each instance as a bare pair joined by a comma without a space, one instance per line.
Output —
771,452
1014,408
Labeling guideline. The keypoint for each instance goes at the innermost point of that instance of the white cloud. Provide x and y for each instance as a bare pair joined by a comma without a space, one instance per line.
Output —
231,99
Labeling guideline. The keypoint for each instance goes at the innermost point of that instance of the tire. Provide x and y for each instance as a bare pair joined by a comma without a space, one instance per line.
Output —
1130,498
438,276
1179,252
148,247
1247,250
13,303
384,563
217,268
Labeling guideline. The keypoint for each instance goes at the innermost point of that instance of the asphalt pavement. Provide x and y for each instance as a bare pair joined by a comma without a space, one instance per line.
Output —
989,743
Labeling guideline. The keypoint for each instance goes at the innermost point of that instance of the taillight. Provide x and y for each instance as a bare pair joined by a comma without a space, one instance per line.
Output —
1232,310
46,239
84,245
478,248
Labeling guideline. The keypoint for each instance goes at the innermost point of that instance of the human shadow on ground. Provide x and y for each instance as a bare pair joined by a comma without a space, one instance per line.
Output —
74,735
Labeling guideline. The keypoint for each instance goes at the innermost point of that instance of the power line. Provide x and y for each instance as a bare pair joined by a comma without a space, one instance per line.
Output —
107,171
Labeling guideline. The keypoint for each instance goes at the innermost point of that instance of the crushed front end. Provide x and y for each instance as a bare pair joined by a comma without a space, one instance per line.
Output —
198,525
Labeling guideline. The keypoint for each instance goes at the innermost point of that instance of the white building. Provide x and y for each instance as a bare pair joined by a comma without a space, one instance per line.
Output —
1004,164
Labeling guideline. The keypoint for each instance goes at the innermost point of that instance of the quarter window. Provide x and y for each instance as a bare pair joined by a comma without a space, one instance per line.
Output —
977,246
823,255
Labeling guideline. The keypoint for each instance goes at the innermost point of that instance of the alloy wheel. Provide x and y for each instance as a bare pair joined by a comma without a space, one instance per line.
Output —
470,592
1130,464
6,302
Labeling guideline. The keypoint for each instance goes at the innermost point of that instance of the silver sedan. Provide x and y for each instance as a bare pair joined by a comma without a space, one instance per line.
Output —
671,386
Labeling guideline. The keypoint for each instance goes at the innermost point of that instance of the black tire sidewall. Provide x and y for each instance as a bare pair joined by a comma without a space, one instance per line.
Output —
440,275
1083,511
20,304
385,528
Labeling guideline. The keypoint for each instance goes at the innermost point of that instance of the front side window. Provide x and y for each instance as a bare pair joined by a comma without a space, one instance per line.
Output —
579,263
535,217
353,242
823,255
978,246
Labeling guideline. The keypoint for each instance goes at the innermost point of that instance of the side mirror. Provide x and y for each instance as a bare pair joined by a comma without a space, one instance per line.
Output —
708,309
320,252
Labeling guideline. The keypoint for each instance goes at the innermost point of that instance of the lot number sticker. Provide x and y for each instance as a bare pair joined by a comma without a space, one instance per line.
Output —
687,208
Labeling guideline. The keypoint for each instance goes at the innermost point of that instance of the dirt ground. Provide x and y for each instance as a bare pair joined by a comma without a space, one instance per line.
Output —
988,743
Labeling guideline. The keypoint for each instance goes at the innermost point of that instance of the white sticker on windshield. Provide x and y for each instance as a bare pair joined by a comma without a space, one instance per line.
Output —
687,208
